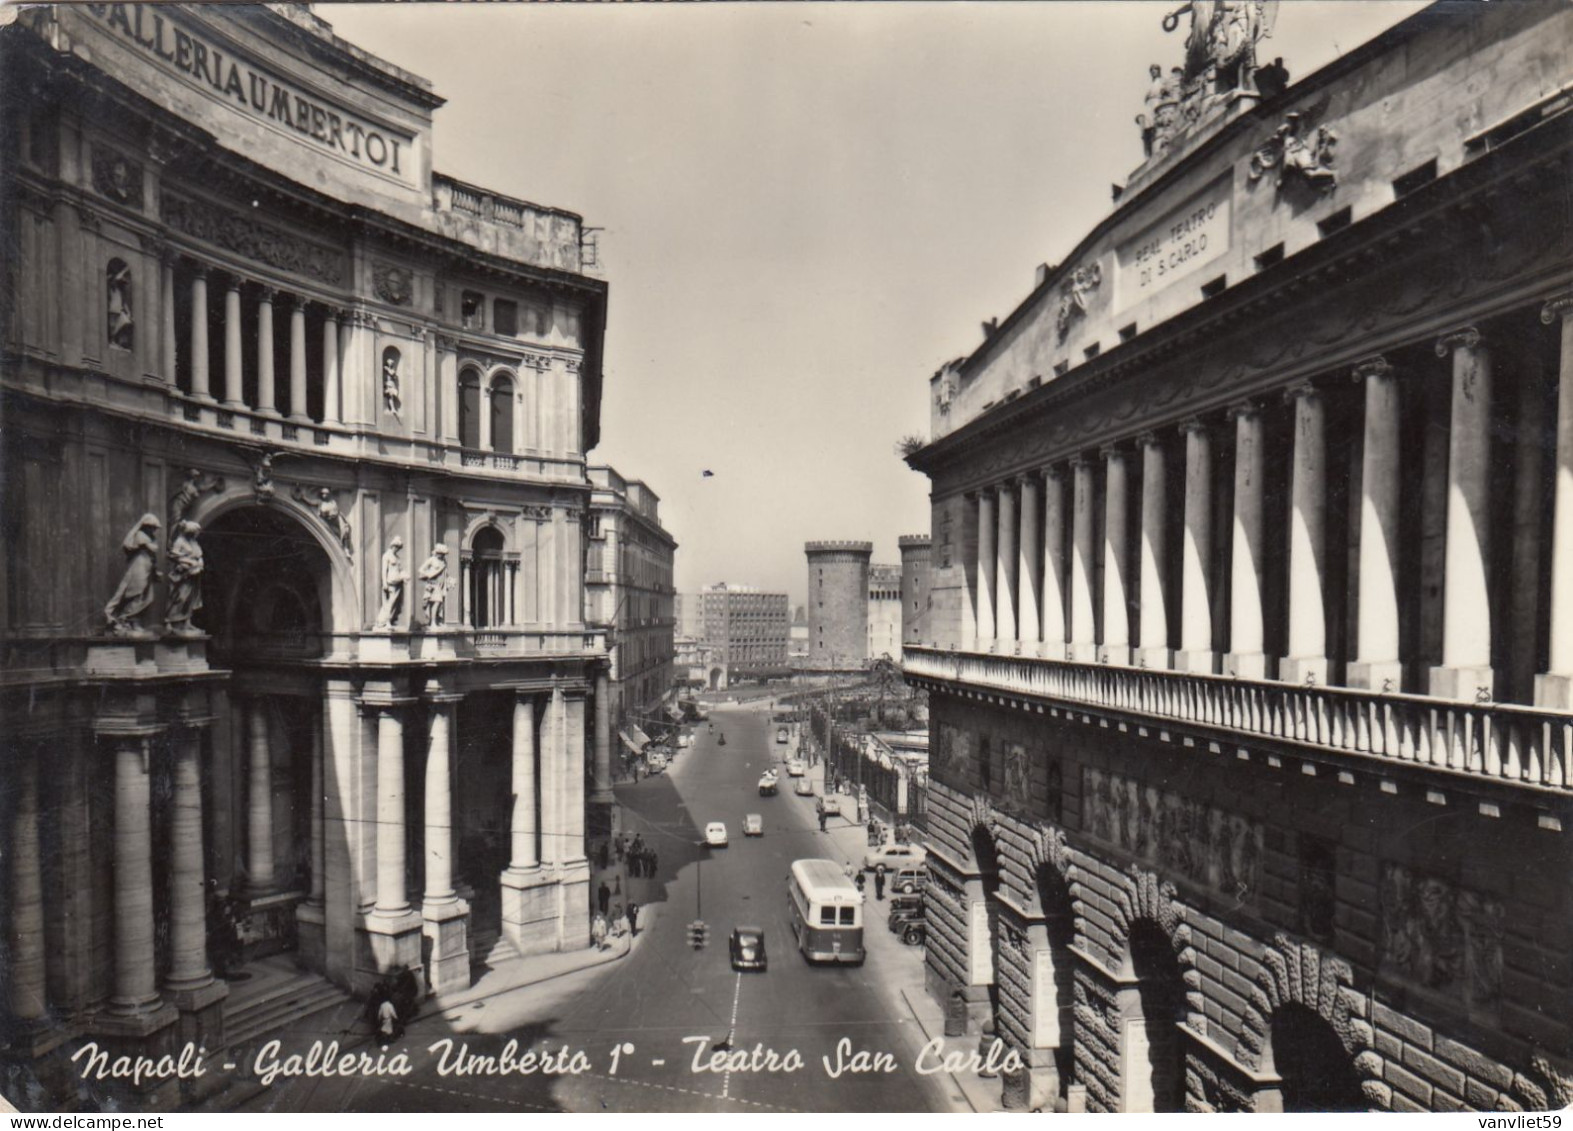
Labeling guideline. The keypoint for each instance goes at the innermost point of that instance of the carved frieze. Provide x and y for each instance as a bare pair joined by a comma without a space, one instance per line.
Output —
251,238
1297,155
1190,839
117,177
393,284
1075,292
1441,935
541,512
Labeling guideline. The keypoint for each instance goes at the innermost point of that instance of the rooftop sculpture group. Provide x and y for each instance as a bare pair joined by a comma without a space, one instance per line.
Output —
1220,59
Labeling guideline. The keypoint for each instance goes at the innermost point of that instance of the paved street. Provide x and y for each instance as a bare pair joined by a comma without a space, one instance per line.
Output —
656,1003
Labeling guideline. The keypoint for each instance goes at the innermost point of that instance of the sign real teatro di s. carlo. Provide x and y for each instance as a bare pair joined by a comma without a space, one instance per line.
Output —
232,82
1175,246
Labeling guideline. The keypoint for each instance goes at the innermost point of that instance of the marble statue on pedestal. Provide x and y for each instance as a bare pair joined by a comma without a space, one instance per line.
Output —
185,580
135,593
394,579
436,586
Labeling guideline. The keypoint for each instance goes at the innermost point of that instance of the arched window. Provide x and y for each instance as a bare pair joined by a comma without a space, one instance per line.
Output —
1318,1073
1153,1062
502,413
470,409
491,596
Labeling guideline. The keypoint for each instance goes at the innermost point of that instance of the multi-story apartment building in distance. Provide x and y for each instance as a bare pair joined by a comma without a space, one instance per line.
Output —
745,631
1252,626
294,499
628,584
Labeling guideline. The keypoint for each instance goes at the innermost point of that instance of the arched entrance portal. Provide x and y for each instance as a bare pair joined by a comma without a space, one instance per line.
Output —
983,917
1152,1059
1053,993
1317,1071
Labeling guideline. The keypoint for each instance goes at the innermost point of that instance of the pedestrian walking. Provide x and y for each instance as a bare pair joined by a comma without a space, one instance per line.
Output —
823,821
598,931
859,880
633,919
603,896
879,885
620,845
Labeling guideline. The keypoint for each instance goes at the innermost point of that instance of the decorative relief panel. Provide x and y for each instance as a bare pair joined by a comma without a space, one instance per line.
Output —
117,177
254,240
1201,843
1017,775
1441,935
394,285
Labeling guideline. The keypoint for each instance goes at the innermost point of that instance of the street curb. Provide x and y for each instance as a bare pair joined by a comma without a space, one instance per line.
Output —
433,1006
906,998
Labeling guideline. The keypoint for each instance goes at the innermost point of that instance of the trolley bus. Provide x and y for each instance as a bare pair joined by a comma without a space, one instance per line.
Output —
826,911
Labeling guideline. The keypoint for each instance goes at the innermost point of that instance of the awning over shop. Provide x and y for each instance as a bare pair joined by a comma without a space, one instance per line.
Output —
633,747
640,736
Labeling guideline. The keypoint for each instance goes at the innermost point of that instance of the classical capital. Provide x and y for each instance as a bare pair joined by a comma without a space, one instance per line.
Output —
1195,424
1112,450
1299,390
1466,338
1377,366
1246,409
1561,305
201,271
1082,459
1149,439
232,281
1054,472
267,294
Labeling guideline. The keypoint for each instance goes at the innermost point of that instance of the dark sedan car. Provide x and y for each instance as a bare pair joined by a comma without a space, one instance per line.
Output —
748,948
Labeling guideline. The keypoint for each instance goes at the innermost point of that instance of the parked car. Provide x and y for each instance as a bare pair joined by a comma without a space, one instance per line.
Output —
715,834
781,734
903,908
753,825
747,945
655,762
795,768
910,879
768,785
892,857
831,806
914,930
803,787
684,741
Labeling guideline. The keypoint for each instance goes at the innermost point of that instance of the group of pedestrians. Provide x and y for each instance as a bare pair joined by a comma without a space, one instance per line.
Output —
640,858
612,920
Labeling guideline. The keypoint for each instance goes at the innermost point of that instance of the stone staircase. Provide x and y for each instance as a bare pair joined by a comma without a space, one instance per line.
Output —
277,994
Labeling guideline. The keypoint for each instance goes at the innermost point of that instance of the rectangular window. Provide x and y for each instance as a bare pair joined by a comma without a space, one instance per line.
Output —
848,916
1272,255
1415,178
827,916
1337,222
472,310
505,318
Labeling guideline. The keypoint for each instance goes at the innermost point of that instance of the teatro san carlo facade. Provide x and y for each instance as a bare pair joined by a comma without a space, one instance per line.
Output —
294,502
1252,629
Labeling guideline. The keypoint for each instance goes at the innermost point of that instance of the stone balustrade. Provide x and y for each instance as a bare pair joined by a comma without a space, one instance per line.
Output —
1504,742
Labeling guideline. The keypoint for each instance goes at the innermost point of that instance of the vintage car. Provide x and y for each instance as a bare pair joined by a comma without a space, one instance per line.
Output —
747,946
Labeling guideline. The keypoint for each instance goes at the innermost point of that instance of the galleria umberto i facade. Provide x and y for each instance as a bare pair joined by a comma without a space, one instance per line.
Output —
340,404
1252,629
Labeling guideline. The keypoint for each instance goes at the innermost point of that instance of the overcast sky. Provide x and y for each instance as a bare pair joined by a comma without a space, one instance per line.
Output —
807,208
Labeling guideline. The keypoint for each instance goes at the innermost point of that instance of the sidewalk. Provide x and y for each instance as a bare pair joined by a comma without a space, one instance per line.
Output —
901,966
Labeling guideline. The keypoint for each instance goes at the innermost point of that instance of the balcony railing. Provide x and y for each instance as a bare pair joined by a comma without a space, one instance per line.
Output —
1501,741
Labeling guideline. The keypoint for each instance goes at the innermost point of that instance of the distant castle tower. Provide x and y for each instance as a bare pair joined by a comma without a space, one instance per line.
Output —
838,603
915,553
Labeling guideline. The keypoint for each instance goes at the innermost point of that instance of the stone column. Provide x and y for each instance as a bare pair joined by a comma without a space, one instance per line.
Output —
190,982
392,900
318,804
1465,672
439,806
1029,566
266,398
1246,657
1005,570
1154,592
444,916
603,738
233,391
1196,615
27,997
448,389
297,361
1054,578
554,779
572,809
1084,646
331,411
1306,662
987,631
199,334
486,414
166,310
135,989
259,806
522,826
1555,687
1377,666
1116,565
